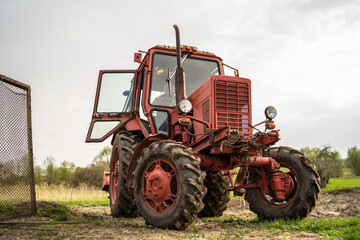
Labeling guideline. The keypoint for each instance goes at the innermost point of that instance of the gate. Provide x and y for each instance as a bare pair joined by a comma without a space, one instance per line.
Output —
17,188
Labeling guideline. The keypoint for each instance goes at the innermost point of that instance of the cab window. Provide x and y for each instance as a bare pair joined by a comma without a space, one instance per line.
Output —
197,71
116,92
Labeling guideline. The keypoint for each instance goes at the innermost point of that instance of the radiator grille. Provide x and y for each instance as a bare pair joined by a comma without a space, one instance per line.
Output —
232,105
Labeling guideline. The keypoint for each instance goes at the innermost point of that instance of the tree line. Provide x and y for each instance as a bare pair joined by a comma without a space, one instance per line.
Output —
68,174
328,162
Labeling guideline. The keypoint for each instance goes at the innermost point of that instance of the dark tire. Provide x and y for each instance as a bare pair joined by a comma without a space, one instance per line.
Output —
122,203
216,199
168,185
300,201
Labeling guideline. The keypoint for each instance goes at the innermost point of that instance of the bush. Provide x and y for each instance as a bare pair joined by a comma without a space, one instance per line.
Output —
353,160
328,162
91,175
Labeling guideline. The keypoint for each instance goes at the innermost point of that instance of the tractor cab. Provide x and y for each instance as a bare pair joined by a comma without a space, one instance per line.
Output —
147,96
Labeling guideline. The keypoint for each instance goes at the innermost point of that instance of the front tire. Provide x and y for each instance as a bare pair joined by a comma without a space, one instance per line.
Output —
168,185
300,200
122,203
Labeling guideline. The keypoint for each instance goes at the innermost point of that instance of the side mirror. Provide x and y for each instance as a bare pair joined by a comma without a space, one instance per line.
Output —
137,57
126,93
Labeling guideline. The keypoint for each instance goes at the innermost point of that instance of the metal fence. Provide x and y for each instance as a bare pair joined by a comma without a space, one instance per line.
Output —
17,188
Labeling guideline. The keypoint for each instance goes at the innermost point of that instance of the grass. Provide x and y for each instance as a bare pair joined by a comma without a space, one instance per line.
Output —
59,213
345,228
9,208
82,195
339,183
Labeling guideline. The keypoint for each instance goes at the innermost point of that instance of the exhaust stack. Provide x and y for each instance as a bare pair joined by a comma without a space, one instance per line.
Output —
180,74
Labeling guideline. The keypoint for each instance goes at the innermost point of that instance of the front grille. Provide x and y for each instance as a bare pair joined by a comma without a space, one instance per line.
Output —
232,105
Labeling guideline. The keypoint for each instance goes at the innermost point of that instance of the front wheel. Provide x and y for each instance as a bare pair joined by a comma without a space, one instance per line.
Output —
305,187
168,185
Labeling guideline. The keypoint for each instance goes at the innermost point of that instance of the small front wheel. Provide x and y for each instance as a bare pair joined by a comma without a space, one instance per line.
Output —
299,201
168,185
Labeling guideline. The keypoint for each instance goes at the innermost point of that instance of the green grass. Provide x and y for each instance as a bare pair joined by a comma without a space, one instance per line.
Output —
60,213
42,233
339,183
8,207
101,202
344,228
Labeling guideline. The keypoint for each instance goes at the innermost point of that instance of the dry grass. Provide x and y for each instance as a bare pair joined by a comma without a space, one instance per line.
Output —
80,194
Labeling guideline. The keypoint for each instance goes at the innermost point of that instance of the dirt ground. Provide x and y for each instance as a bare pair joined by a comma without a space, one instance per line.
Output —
95,222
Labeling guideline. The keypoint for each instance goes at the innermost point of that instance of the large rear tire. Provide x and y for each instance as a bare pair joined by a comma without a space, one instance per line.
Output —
216,198
300,201
122,203
168,185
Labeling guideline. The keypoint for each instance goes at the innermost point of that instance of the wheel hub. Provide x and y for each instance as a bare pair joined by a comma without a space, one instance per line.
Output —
160,186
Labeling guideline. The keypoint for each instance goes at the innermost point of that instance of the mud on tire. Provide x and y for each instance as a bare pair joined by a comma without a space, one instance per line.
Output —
216,199
168,185
300,201
122,202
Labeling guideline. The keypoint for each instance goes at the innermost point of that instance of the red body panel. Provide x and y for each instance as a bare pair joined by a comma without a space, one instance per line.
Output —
223,101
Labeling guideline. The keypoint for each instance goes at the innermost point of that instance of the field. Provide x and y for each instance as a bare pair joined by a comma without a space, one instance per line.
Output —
84,214
339,183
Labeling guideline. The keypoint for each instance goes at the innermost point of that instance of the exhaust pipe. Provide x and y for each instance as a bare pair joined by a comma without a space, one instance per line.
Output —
180,74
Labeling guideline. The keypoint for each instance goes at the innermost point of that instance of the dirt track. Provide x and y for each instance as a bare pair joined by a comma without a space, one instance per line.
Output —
96,223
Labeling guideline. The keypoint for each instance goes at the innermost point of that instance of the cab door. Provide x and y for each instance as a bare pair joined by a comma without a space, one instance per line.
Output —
114,103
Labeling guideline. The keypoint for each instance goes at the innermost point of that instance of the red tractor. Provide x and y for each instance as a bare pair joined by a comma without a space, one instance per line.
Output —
175,144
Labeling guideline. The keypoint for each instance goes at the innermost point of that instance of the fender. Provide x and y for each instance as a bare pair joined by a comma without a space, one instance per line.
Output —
137,153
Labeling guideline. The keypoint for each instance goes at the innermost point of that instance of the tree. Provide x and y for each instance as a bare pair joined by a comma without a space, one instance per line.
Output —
103,158
50,170
38,174
65,171
353,160
328,162
92,175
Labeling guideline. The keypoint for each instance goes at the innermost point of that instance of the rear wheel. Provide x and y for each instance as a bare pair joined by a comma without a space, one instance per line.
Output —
304,182
122,203
168,185
216,198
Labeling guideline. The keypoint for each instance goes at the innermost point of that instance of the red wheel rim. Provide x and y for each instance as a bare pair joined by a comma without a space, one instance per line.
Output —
114,177
160,186
291,196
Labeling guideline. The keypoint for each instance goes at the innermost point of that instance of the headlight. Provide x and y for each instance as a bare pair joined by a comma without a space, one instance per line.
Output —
185,106
270,112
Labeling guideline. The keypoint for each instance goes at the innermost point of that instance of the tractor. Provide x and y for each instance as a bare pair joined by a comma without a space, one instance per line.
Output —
177,145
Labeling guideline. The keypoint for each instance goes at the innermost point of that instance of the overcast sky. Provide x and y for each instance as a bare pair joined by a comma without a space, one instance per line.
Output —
303,57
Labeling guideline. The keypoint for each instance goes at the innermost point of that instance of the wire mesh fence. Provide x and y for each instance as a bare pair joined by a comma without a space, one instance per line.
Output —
17,190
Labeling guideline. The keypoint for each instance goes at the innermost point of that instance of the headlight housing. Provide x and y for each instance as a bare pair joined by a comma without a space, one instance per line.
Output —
185,106
270,112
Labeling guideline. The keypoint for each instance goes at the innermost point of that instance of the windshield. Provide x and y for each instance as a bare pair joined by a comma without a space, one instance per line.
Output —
197,71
